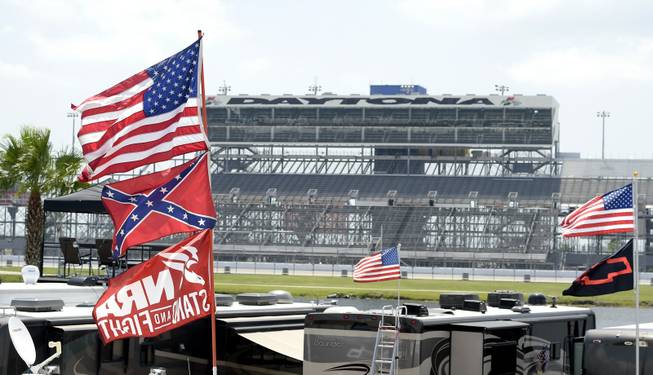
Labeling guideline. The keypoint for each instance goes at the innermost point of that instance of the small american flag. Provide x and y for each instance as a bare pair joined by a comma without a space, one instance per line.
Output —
150,117
380,266
608,213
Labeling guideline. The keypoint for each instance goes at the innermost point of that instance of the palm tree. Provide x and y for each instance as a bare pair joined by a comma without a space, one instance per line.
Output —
28,164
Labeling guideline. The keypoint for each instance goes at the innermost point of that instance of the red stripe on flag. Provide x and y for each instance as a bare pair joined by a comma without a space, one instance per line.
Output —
138,147
599,232
162,156
118,88
129,102
95,127
602,224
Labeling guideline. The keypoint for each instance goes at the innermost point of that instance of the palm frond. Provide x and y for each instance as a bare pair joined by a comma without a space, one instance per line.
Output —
28,164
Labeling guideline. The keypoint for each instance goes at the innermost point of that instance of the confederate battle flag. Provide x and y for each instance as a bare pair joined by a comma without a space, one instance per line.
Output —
146,208
612,274
169,290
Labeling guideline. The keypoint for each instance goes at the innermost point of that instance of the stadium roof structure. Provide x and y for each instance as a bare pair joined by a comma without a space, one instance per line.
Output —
371,187
535,189
378,186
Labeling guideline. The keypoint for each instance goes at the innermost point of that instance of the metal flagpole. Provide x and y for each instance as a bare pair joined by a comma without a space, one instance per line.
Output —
399,279
636,266
205,126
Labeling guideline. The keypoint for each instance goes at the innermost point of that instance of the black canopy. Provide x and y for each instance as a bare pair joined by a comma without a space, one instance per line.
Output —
83,201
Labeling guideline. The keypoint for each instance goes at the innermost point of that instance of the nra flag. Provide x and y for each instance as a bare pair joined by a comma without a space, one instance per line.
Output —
608,213
612,274
149,117
167,291
156,205
380,266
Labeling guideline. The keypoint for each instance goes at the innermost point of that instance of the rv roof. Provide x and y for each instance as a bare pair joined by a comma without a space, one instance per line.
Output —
443,316
74,295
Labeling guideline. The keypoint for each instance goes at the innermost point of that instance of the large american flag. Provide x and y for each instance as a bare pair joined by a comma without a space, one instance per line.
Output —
380,266
151,116
608,213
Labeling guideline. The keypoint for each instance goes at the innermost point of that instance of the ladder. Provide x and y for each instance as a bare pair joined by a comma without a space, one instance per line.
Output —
386,347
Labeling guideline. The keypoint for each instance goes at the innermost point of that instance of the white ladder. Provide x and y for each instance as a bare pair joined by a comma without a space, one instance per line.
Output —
386,347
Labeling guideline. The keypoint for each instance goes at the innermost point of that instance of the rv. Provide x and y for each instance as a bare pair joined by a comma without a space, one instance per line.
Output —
612,351
256,334
463,337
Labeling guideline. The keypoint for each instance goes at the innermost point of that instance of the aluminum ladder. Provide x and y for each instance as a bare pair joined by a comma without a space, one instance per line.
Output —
386,347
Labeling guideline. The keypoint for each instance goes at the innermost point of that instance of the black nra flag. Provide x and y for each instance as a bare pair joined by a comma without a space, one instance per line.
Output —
612,274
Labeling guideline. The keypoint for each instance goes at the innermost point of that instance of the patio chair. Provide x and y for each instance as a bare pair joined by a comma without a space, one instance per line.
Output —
105,256
71,254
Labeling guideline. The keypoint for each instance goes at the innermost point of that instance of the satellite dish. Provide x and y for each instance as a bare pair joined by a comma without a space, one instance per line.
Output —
22,340
30,274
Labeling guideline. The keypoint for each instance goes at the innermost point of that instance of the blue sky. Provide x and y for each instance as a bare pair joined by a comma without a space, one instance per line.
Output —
590,55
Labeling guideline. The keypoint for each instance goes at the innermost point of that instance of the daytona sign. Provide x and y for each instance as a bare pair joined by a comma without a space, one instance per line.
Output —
356,100
169,290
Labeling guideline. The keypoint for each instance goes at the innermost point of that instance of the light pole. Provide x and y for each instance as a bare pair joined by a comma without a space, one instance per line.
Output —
314,88
501,88
72,115
224,89
603,115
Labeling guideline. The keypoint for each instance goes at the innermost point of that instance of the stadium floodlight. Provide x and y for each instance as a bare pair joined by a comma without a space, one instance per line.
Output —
72,115
501,88
603,115
224,89
314,88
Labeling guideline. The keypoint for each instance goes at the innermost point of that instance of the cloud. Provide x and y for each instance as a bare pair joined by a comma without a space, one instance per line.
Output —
470,14
625,61
6,29
15,71
120,30
255,66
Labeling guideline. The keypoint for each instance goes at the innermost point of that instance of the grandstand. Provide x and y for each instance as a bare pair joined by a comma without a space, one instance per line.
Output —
467,180
457,180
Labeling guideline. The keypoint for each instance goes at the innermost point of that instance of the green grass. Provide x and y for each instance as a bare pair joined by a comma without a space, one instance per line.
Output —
48,271
318,287
427,290
10,278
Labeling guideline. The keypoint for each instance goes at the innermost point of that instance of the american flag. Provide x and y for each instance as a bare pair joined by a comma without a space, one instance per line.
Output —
151,116
608,213
380,266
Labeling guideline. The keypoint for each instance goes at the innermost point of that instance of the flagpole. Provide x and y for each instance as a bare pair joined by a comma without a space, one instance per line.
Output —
205,127
399,279
636,266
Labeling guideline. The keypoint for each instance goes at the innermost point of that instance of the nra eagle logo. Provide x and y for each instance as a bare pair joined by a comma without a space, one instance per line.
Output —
183,261
165,292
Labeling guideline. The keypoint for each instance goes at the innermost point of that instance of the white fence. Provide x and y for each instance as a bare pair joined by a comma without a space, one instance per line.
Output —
345,270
